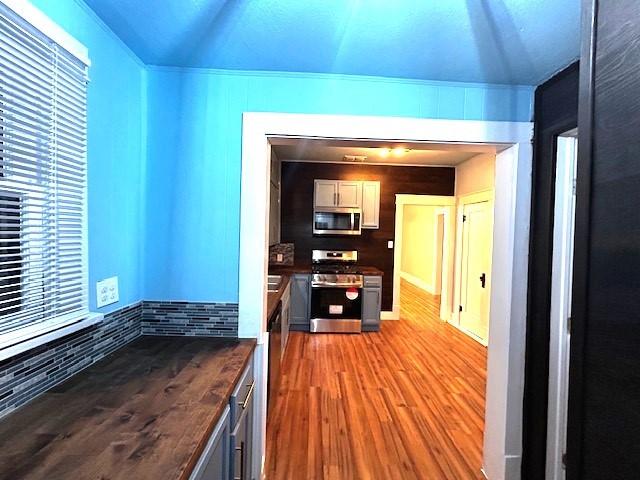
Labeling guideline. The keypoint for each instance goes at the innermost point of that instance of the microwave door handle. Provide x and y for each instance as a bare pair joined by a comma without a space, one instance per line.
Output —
353,221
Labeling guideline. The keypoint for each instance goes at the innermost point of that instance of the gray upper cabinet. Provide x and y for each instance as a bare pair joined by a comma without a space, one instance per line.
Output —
371,204
299,302
325,193
214,462
371,303
337,193
274,203
349,194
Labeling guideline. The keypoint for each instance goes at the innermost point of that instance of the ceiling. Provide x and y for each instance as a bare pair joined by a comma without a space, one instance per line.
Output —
494,41
334,151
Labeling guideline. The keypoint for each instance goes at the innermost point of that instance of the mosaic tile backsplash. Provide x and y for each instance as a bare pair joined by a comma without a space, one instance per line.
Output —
190,318
31,373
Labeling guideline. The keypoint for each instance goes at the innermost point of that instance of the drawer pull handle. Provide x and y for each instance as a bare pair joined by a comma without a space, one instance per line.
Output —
241,450
246,399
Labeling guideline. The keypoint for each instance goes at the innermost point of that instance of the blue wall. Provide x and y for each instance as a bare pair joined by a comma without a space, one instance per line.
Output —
117,121
194,156
164,154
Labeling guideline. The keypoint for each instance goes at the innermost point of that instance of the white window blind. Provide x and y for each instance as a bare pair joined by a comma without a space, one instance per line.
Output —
43,265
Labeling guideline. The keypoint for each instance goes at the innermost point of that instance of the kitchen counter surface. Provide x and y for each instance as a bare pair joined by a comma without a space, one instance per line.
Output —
144,412
274,297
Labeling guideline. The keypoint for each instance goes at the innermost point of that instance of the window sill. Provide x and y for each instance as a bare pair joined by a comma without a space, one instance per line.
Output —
9,348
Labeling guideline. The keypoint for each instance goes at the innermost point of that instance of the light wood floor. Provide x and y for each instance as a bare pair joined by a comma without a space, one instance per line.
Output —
405,403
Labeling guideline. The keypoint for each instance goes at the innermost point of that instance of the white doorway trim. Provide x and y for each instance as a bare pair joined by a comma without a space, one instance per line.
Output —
467,199
447,204
505,376
560,311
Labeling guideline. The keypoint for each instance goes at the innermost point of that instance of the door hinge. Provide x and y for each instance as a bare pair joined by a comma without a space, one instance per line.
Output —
464,218
564,461
459,308
569,322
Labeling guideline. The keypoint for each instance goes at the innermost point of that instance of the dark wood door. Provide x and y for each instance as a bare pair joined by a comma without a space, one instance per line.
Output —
604,396
556,112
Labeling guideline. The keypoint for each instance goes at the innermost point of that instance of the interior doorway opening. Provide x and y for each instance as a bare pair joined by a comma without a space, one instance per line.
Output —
505,366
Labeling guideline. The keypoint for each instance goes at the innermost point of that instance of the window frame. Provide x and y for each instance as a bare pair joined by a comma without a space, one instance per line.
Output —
26,337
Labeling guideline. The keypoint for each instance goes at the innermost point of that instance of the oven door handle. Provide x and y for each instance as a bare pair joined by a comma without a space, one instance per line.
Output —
337,285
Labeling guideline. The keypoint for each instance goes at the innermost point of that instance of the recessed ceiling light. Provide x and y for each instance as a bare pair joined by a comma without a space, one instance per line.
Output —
385,152
399,151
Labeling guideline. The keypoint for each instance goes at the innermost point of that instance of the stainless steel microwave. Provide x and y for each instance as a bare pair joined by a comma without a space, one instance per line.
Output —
337,221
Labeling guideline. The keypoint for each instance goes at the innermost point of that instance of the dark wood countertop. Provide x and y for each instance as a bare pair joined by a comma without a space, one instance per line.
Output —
274,297
288,269
144,412
293,269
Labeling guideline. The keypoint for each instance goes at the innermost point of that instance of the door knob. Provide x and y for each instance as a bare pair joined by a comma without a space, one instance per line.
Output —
483,280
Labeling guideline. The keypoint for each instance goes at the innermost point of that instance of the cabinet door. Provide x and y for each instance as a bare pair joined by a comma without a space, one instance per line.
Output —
370,204
274,215
241,441
286,307
214,462
299,306
325,193
371,305
349,194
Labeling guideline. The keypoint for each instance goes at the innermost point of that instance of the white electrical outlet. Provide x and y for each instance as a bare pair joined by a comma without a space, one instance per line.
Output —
107,291
279,257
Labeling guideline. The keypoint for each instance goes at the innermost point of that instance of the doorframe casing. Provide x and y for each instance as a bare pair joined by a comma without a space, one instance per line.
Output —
502,450
447,203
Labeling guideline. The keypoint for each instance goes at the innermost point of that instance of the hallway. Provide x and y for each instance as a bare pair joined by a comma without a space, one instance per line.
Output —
404,403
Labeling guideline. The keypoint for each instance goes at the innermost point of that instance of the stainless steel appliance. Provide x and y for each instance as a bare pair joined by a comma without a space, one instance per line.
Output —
336,292
337,221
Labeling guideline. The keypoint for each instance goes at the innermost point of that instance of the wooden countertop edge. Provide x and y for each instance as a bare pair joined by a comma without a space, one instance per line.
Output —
195,456
274,297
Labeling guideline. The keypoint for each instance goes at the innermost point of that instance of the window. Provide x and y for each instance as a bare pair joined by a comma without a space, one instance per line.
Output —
43,268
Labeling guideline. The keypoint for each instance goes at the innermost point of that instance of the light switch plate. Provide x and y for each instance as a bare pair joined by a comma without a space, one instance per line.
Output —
279,258
107,291
390,244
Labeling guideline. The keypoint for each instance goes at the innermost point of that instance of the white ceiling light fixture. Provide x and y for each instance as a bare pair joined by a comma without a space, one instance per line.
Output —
399,151
385,152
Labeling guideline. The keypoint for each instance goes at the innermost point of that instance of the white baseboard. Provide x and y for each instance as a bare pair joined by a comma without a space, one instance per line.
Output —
455,323
390,315
418,282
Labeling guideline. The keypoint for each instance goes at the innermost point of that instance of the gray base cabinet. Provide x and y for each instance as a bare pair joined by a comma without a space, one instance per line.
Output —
286,315
300,304
242,426
371,303
228,454
216,458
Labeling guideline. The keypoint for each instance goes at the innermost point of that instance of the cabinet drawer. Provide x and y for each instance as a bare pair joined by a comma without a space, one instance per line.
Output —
241,396
373,281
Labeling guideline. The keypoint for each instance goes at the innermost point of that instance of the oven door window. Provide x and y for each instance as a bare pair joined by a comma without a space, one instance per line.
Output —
331,303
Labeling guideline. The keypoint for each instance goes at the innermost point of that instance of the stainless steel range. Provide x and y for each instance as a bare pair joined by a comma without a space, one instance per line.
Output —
336,292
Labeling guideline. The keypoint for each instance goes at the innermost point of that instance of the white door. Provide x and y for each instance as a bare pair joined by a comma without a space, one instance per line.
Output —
477,233
325,193
560,312
349,194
